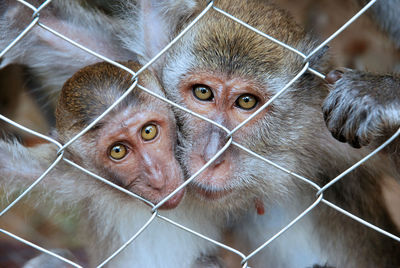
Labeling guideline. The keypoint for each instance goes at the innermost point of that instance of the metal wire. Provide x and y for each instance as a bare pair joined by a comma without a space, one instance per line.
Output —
341,29
130,240
40,248
135,84
305,212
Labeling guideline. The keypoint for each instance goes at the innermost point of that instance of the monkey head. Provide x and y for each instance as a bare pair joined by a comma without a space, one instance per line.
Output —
225,72
134,145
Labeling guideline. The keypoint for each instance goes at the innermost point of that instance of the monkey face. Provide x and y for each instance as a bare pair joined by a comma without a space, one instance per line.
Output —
227,101
226,76
134,145
135,148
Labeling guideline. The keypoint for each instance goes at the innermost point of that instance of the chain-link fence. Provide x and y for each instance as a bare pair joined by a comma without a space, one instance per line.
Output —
36,22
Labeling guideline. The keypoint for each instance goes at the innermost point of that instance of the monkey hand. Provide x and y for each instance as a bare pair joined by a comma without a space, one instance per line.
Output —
362,108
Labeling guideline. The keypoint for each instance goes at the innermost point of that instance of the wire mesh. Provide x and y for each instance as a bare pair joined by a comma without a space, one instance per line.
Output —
319,190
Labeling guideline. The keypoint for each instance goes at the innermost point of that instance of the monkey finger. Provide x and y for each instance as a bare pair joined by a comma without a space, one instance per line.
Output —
341,138
337,133
333,127
328,109
326,114
337,123
355,142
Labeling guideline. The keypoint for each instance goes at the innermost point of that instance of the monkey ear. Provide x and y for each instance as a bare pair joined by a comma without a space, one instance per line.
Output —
48,55
154,24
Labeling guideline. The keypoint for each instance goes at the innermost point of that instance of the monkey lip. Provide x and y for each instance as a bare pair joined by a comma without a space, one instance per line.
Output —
211,194
174,201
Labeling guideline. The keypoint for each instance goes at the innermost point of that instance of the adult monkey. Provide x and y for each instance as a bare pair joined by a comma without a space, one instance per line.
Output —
224,72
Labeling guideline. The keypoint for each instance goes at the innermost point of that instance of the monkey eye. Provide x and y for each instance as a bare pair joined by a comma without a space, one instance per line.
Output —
118,151
246,101
202,92
149,132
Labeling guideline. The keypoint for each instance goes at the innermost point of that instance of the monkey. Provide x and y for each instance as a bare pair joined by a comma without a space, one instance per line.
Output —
225,72
62,58
133,147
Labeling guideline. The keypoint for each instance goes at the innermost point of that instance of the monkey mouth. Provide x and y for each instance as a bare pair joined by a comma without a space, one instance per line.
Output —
174,201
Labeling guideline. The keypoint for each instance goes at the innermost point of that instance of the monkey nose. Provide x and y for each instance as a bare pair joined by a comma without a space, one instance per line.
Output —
156,179
215,142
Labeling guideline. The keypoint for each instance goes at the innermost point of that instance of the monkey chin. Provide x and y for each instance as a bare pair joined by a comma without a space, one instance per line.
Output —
214,182
174,201
224,203
207,187
210,194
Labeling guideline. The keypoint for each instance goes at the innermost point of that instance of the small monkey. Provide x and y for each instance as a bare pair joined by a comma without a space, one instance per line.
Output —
225,72
133,146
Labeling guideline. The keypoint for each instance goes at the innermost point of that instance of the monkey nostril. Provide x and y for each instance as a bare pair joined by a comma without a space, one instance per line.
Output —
218,161
156,180
214,143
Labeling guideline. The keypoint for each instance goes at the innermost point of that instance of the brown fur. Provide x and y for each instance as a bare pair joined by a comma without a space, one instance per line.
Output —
93,89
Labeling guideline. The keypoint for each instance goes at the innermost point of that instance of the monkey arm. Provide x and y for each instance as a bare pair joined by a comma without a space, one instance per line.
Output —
51,59
21,166
362,108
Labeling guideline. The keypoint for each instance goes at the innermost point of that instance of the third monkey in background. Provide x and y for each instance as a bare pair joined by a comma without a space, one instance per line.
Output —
224,72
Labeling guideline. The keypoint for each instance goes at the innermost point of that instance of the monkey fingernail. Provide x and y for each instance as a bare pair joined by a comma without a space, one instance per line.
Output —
333,76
